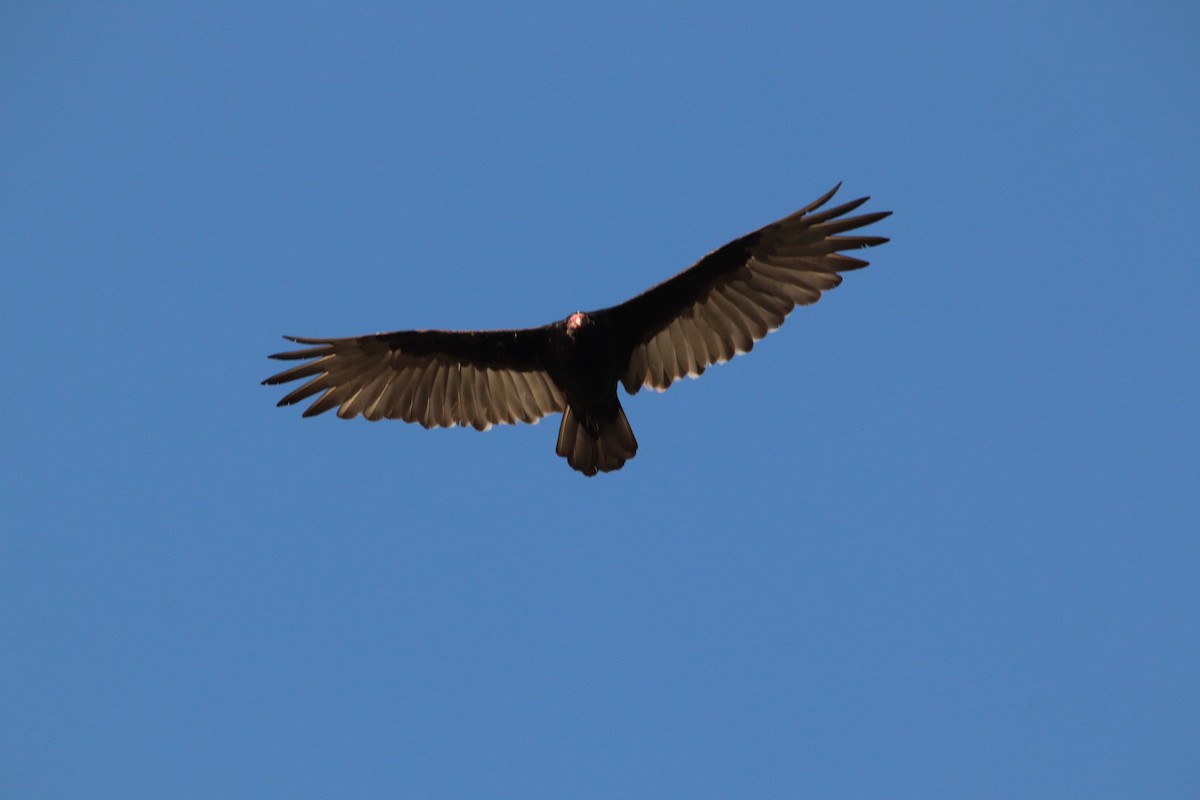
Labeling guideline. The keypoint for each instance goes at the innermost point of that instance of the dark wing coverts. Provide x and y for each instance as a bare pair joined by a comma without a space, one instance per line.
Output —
737,294
437,378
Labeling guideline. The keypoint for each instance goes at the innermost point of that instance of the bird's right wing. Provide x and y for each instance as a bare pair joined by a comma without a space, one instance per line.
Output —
435,378
737,294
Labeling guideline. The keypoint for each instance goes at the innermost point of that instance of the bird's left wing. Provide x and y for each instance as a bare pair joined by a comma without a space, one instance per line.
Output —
437,378
737,294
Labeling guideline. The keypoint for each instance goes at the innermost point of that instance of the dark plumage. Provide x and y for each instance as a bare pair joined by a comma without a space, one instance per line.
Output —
704,315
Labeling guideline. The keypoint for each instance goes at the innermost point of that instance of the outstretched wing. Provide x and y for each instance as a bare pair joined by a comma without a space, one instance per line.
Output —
736,295
437,378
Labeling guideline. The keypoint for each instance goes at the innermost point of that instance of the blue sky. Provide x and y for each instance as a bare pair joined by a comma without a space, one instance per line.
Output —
934,538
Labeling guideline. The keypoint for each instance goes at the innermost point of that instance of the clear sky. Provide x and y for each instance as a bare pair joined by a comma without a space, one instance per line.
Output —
935,538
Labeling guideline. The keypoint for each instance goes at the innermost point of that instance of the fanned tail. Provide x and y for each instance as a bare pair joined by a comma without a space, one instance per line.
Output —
591,454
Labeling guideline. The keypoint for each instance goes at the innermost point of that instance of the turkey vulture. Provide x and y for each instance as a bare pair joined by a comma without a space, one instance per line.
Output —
704,315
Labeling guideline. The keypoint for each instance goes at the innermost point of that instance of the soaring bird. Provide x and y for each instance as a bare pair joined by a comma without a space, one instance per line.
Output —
705,315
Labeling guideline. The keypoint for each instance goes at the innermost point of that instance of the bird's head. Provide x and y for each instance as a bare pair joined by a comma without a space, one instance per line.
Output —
577,321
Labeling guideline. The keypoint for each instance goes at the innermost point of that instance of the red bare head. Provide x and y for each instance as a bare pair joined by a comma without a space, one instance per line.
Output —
576,321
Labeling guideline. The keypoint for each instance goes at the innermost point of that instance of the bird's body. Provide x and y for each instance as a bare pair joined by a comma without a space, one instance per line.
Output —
705,315
594,434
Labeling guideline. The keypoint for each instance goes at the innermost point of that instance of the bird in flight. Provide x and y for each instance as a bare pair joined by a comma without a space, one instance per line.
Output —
705,315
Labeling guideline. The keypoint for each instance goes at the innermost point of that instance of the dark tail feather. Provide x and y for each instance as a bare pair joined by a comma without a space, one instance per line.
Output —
604,453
